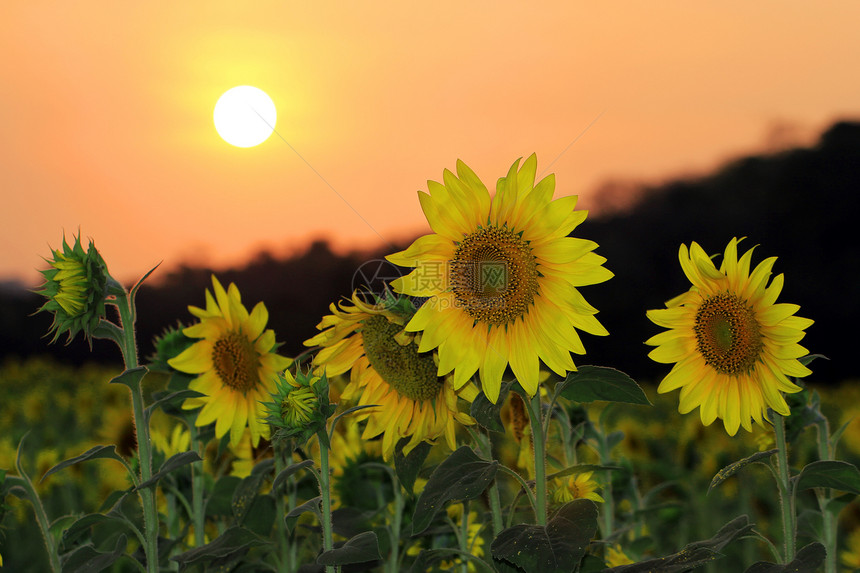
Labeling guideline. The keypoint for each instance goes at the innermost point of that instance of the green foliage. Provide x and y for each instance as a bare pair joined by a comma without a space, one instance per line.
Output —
808,560
463,475
556,547
590,383
735,467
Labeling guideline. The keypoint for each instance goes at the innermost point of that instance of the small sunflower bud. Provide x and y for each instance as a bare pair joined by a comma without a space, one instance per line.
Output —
76,287
299,407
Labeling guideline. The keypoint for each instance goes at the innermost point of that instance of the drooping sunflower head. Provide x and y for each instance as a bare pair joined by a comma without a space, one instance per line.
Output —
76,286
733,346
388,371
236,362
501,277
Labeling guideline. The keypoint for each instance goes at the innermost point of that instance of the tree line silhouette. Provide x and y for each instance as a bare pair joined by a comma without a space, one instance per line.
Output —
800,205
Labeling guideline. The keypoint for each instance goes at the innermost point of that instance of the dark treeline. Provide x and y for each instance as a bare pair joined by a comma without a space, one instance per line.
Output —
800,205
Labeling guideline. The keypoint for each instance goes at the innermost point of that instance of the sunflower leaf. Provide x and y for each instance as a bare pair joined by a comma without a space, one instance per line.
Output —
599,383
85,559
582,468
734,467
830,473
232,541
170,402
288,471
556,547
312,505
693,554
176,461
131,378
408,466
487,414
362,548
463,475
94,453
808,560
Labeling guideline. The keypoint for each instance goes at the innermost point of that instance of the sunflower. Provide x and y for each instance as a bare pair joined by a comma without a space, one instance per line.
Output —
733,346
501,277
388,371
576,486
236,363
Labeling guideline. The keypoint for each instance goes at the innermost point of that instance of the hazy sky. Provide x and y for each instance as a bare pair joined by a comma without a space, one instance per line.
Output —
106,110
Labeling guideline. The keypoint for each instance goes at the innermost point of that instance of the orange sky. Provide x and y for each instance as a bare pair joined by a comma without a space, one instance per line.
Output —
106,110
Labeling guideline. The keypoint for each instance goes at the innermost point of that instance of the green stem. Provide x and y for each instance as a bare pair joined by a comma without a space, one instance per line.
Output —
786,499
496,508
144,446
828,530
525,487
198,518
464,536
42,518
538,438
325,491
608,509
486,447
396,522
283,545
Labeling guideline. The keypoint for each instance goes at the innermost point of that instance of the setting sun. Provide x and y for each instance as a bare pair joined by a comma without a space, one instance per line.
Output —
245,116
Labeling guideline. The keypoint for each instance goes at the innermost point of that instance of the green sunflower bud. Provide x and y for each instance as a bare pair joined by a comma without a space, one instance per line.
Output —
299,407
169,344
76,287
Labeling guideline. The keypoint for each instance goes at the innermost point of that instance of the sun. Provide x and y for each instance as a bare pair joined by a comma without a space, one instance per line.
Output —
245,116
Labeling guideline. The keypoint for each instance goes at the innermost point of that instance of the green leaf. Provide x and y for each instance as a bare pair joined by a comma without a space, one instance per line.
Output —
362,548
170,401
427,557
463,475
312,505
131,378
734,467
556,547
243,496
806,360
288,471
72,535
808,560
176,461
233,540
693,554
591,383
349,521
407,467
487,414
260,516
86,559
220,502
94,453
830,473
582,468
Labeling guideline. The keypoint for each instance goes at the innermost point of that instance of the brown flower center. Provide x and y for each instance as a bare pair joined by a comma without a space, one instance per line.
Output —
494,275
727,334
236,361
411,373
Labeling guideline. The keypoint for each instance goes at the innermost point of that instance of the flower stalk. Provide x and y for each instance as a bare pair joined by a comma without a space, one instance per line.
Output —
786,496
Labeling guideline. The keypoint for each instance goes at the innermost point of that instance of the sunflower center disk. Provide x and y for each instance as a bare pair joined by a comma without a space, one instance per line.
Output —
236,361
494,275
412,374
727,334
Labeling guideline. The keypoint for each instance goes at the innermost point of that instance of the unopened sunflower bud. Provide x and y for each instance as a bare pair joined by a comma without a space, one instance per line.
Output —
299,407
76,287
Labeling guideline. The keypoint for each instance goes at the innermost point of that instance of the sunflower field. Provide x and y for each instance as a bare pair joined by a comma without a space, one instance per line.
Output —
449,422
